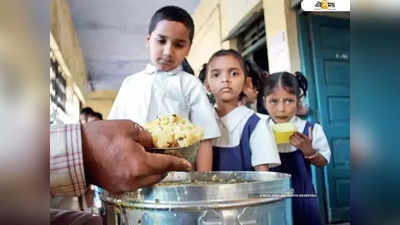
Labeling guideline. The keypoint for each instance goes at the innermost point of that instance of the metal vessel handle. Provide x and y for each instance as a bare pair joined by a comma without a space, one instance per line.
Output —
210,217
123,216
247,217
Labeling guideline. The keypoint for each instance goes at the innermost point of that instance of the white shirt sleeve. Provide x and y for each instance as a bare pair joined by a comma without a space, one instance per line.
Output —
118,108
320,142
133,99
202,113
263,146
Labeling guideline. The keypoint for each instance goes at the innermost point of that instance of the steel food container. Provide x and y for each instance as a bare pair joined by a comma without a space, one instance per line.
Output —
214,198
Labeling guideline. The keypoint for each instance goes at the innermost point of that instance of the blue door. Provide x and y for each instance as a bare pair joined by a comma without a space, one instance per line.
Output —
325,46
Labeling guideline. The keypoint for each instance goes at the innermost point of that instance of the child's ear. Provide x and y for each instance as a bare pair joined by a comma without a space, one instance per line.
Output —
207,86
147,40
188,50
249,82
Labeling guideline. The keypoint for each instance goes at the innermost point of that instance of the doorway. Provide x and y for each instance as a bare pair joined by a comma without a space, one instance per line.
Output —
324,44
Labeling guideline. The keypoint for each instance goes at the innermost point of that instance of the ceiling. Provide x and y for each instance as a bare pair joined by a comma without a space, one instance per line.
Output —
112,36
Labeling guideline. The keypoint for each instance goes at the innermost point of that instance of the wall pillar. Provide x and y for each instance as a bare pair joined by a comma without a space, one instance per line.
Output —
281,32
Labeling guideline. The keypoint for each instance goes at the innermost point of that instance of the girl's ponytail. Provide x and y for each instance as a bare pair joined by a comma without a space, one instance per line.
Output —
302,81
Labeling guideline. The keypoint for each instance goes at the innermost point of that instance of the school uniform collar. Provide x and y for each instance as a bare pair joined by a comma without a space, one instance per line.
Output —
292,120
150,69
233,118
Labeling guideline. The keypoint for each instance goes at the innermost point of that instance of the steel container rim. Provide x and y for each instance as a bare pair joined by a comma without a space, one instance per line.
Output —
203,196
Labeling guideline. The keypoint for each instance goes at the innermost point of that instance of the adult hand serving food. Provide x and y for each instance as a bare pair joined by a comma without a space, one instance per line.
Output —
116,158
110,154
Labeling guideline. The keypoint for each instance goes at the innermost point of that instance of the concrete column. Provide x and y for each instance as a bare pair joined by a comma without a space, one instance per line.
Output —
281,32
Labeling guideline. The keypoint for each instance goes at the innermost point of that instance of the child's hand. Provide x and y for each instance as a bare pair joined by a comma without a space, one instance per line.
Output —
303,142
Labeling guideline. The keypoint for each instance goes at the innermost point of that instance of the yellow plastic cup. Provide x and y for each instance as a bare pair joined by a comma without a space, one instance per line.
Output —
283,132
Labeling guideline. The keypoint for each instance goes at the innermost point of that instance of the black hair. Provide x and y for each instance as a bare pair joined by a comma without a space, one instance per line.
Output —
231,52
98,115
186,67
295,84
202,77
173,13
202,73
87,110
258,77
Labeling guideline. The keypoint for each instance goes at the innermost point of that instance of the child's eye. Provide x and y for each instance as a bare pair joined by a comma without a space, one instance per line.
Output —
179,45
234,73
162,41
214,74
273,101
289,101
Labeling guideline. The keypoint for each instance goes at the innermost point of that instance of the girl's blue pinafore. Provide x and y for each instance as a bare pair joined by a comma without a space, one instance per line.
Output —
236,158
305,210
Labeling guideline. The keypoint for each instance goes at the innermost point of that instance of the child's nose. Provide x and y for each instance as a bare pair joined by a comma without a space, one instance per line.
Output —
281,106
167,49
225,77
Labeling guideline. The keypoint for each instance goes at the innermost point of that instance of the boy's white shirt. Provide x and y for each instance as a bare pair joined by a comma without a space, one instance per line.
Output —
262,142
150,93
319,142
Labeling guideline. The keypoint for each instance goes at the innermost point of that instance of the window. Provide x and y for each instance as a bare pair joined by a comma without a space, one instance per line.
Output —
57,85
252,43
57,92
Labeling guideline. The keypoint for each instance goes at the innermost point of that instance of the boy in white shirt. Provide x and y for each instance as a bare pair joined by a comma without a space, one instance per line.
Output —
163,87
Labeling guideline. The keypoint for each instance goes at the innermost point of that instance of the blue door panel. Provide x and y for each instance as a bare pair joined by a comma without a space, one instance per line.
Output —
330,55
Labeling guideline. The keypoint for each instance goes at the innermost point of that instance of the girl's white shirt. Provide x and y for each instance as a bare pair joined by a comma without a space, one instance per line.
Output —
319,141
151,93
262,142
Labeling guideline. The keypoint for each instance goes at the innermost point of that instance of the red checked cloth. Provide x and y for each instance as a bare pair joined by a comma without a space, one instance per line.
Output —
67,175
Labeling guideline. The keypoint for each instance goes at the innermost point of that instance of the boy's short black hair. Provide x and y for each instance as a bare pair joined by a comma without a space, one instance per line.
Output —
173,13
98,115
87,110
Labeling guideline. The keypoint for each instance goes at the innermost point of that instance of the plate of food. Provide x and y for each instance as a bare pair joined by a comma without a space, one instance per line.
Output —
175,135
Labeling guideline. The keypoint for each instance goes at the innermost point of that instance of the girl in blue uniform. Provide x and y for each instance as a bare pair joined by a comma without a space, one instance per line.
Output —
246,142
282,94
